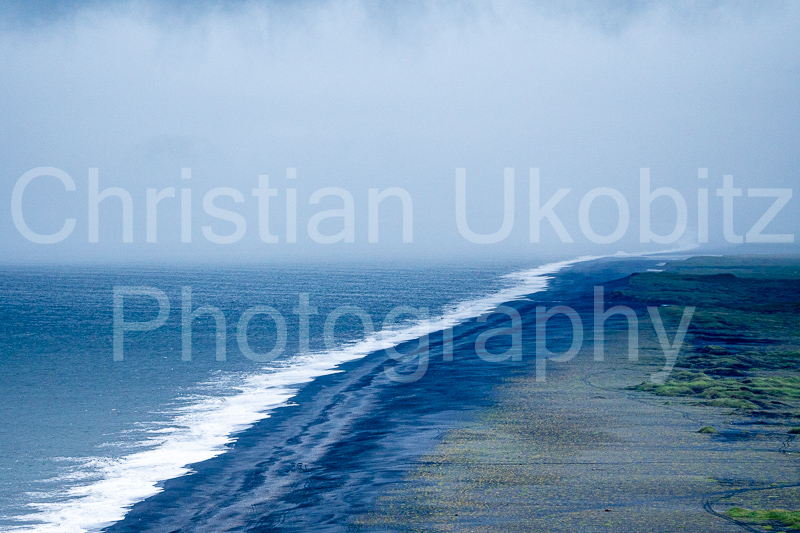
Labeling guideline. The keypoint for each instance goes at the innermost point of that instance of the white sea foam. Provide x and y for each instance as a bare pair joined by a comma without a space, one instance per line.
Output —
201,428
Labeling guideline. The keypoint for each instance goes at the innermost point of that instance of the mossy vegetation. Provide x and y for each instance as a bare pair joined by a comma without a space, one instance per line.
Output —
707,429
737,299
737,393
743,351
787,519
712,362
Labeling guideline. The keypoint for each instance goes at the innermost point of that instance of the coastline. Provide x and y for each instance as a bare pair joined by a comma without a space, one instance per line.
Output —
357,413
587,451
479,446
205,411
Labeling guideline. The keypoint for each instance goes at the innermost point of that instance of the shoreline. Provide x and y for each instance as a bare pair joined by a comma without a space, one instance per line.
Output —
587,451
583,450
133,477
348,411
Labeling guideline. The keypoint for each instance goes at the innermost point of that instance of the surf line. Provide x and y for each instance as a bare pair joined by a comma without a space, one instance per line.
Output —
393,333
670,347
394,330
203,429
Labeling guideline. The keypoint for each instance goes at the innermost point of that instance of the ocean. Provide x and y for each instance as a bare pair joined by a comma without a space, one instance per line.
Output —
85,437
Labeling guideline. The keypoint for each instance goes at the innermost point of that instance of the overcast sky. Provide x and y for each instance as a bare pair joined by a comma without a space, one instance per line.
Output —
361,95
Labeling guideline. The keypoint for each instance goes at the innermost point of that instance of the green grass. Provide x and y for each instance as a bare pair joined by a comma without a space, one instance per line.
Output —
718,361
743,351
733,403
736,393
737,297
789,519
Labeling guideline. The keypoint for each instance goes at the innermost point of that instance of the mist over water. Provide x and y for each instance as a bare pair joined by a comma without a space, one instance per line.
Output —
357,95
368,154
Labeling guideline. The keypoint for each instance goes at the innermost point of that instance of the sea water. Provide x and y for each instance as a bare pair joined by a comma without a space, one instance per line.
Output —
85,436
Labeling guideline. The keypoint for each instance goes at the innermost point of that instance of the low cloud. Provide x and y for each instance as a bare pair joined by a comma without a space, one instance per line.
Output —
357,95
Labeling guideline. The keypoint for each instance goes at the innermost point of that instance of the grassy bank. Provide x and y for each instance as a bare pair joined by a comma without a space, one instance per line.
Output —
744,343
771,519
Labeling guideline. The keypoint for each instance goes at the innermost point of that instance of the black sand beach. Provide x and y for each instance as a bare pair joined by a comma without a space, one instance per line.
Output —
484,446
